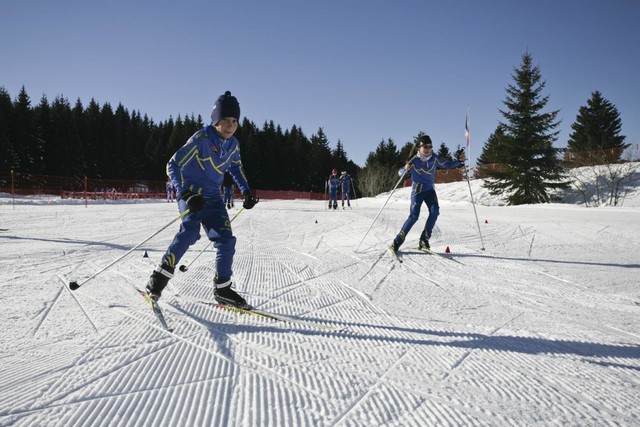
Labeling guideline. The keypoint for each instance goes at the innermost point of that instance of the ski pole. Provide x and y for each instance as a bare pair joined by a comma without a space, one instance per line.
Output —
355,196
75,285
385,204
184,268
473,203
326,187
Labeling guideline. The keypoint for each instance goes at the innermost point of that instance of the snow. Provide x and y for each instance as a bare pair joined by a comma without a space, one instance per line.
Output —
542,327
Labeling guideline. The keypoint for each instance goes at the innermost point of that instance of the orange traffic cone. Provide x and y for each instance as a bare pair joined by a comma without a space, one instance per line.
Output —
486,221
447,251
146,255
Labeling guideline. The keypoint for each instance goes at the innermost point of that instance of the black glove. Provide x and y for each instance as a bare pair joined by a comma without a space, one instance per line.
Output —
249,200
195,202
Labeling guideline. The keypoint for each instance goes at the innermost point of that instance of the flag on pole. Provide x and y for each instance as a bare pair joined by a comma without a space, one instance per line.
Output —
467,134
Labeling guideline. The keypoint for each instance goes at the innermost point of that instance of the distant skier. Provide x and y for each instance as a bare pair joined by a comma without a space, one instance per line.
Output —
332,185
345,188
197,169
171,191
422,169
227,185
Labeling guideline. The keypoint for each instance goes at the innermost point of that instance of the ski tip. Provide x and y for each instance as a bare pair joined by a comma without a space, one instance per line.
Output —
395,254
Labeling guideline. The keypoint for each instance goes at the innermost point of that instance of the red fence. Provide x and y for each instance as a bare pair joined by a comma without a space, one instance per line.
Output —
110,189
443,176
288,195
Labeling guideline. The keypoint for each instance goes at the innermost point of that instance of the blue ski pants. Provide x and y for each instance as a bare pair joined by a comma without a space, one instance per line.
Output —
228,194
215,222
430,199
333,194
345,194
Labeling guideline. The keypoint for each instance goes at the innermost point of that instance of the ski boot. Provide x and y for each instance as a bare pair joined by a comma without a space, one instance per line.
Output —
158,281
223,293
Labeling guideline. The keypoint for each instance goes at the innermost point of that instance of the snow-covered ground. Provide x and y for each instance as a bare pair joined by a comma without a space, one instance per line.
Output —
542,327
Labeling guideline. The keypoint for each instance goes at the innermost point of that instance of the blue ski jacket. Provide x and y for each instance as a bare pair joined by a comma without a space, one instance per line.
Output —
423,171
333,182
345,182
199,165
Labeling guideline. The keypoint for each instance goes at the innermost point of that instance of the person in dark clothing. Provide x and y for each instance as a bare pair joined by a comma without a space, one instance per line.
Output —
227,185
332,185
422,169
197,171
345,188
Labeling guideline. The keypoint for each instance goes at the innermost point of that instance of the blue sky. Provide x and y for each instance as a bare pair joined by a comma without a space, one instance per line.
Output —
364,71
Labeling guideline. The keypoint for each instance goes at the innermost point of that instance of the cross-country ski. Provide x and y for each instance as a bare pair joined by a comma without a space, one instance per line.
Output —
155,308
251,311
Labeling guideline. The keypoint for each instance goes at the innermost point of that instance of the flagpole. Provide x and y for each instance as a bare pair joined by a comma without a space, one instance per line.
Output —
467,135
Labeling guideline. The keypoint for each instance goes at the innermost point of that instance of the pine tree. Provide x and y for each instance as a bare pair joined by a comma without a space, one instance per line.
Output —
250,150
120,150
295,159
108,144
494,150
27,144
135,146
531,166
320,159
386,155
58,135
79,165
339,157
444,152
271,169
92,139
459,151
380,170
8,155
42,129
596,132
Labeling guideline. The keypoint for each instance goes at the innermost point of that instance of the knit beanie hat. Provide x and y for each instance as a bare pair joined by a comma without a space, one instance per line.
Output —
424,140
225,106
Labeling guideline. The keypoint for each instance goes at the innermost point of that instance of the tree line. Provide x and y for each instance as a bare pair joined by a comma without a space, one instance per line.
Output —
98,141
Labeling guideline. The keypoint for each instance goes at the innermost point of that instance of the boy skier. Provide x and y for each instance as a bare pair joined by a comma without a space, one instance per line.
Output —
197,171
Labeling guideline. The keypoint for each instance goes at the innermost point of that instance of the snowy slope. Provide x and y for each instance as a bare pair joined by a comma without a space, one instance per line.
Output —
540,328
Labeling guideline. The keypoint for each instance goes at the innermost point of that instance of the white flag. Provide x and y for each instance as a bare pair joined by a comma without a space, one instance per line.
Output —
467,134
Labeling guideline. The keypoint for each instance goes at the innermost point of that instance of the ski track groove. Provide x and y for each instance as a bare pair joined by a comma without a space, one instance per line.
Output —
249,345
369,391
60,383
434,282
46,312
461,360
